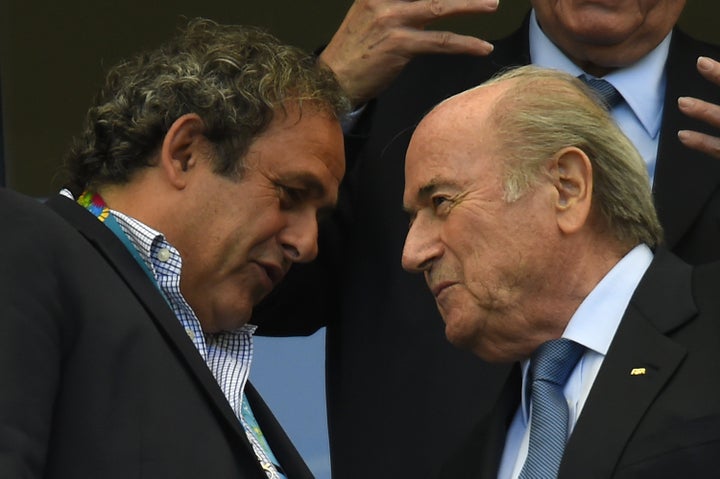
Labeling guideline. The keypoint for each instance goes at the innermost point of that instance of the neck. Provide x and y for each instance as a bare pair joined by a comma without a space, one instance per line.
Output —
142,199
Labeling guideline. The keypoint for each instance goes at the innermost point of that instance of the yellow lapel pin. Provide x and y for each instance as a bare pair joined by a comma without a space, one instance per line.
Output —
637,372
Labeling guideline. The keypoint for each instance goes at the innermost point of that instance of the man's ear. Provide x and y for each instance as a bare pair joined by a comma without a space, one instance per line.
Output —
573,179
182,148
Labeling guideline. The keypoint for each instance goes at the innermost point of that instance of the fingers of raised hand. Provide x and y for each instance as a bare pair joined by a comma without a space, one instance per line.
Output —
709,69
706,112
699,141
700,110
425,11
431,41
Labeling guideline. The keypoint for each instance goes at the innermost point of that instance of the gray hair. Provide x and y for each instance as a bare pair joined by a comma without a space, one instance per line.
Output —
545,111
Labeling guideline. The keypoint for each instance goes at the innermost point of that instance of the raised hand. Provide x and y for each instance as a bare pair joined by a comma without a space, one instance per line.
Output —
378,38
703,111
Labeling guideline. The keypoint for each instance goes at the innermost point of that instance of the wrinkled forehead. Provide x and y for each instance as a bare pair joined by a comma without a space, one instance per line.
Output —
452,159
450,168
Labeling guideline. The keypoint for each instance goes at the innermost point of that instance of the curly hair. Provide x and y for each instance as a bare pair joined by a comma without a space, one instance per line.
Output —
236,78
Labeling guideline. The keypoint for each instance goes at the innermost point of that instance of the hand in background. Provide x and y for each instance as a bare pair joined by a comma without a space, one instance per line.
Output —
378,38
703,111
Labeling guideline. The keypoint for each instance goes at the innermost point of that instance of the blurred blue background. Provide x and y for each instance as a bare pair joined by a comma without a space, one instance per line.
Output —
290,375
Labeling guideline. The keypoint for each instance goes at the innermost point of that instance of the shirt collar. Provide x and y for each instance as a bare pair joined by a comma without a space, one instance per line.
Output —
598,317
596,320
146,240
151,245
641,84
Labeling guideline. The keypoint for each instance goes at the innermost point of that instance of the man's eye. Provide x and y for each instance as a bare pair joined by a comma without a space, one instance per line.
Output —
290,196
439,202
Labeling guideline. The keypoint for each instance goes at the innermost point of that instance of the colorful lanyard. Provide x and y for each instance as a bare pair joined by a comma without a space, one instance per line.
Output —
94,203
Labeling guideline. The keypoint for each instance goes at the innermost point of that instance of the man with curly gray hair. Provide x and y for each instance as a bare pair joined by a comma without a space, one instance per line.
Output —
125,314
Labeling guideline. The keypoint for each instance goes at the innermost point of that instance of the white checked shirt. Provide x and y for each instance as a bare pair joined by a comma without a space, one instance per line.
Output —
227,354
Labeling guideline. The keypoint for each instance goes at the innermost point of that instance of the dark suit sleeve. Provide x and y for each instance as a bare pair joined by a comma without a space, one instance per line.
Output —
31,310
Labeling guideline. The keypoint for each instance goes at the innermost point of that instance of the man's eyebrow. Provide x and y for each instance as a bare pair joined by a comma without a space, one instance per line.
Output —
307,181
426,191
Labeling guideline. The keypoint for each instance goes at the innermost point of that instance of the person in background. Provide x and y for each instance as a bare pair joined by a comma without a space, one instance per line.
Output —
533,224
399,397
127,299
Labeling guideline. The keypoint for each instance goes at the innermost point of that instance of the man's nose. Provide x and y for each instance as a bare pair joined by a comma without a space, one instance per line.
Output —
299,238
420,248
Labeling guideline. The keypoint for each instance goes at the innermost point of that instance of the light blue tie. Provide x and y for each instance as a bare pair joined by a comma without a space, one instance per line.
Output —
609,95
550,367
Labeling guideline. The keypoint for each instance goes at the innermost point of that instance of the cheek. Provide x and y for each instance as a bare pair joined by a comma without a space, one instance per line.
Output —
468,251
241,286
256,233
233,299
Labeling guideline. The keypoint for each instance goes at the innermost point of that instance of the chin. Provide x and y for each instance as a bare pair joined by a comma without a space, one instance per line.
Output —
601,38
230,319
492,355
458,337
600,29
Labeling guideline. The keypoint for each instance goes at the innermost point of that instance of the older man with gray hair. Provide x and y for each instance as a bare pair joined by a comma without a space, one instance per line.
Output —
532,221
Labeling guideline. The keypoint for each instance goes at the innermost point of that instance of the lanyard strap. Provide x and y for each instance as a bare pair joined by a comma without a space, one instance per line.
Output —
94,203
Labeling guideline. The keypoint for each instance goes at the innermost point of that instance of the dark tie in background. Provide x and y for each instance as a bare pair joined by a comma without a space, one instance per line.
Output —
610,96
550,366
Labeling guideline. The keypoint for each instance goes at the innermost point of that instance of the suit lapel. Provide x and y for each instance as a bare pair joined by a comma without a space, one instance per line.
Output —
499,419
121,260
684,178
618,400
479,456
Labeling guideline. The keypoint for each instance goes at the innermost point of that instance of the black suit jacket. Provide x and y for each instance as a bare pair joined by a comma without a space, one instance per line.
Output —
388,362
663,424
99,379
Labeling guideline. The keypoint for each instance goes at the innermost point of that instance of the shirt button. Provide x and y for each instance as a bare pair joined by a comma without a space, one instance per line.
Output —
190,333
163,255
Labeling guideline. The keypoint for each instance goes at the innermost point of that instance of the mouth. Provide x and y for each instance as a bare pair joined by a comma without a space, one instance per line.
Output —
440,287
274,272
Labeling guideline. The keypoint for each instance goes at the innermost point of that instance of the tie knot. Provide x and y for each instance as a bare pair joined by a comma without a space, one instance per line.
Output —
552,361
609,95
